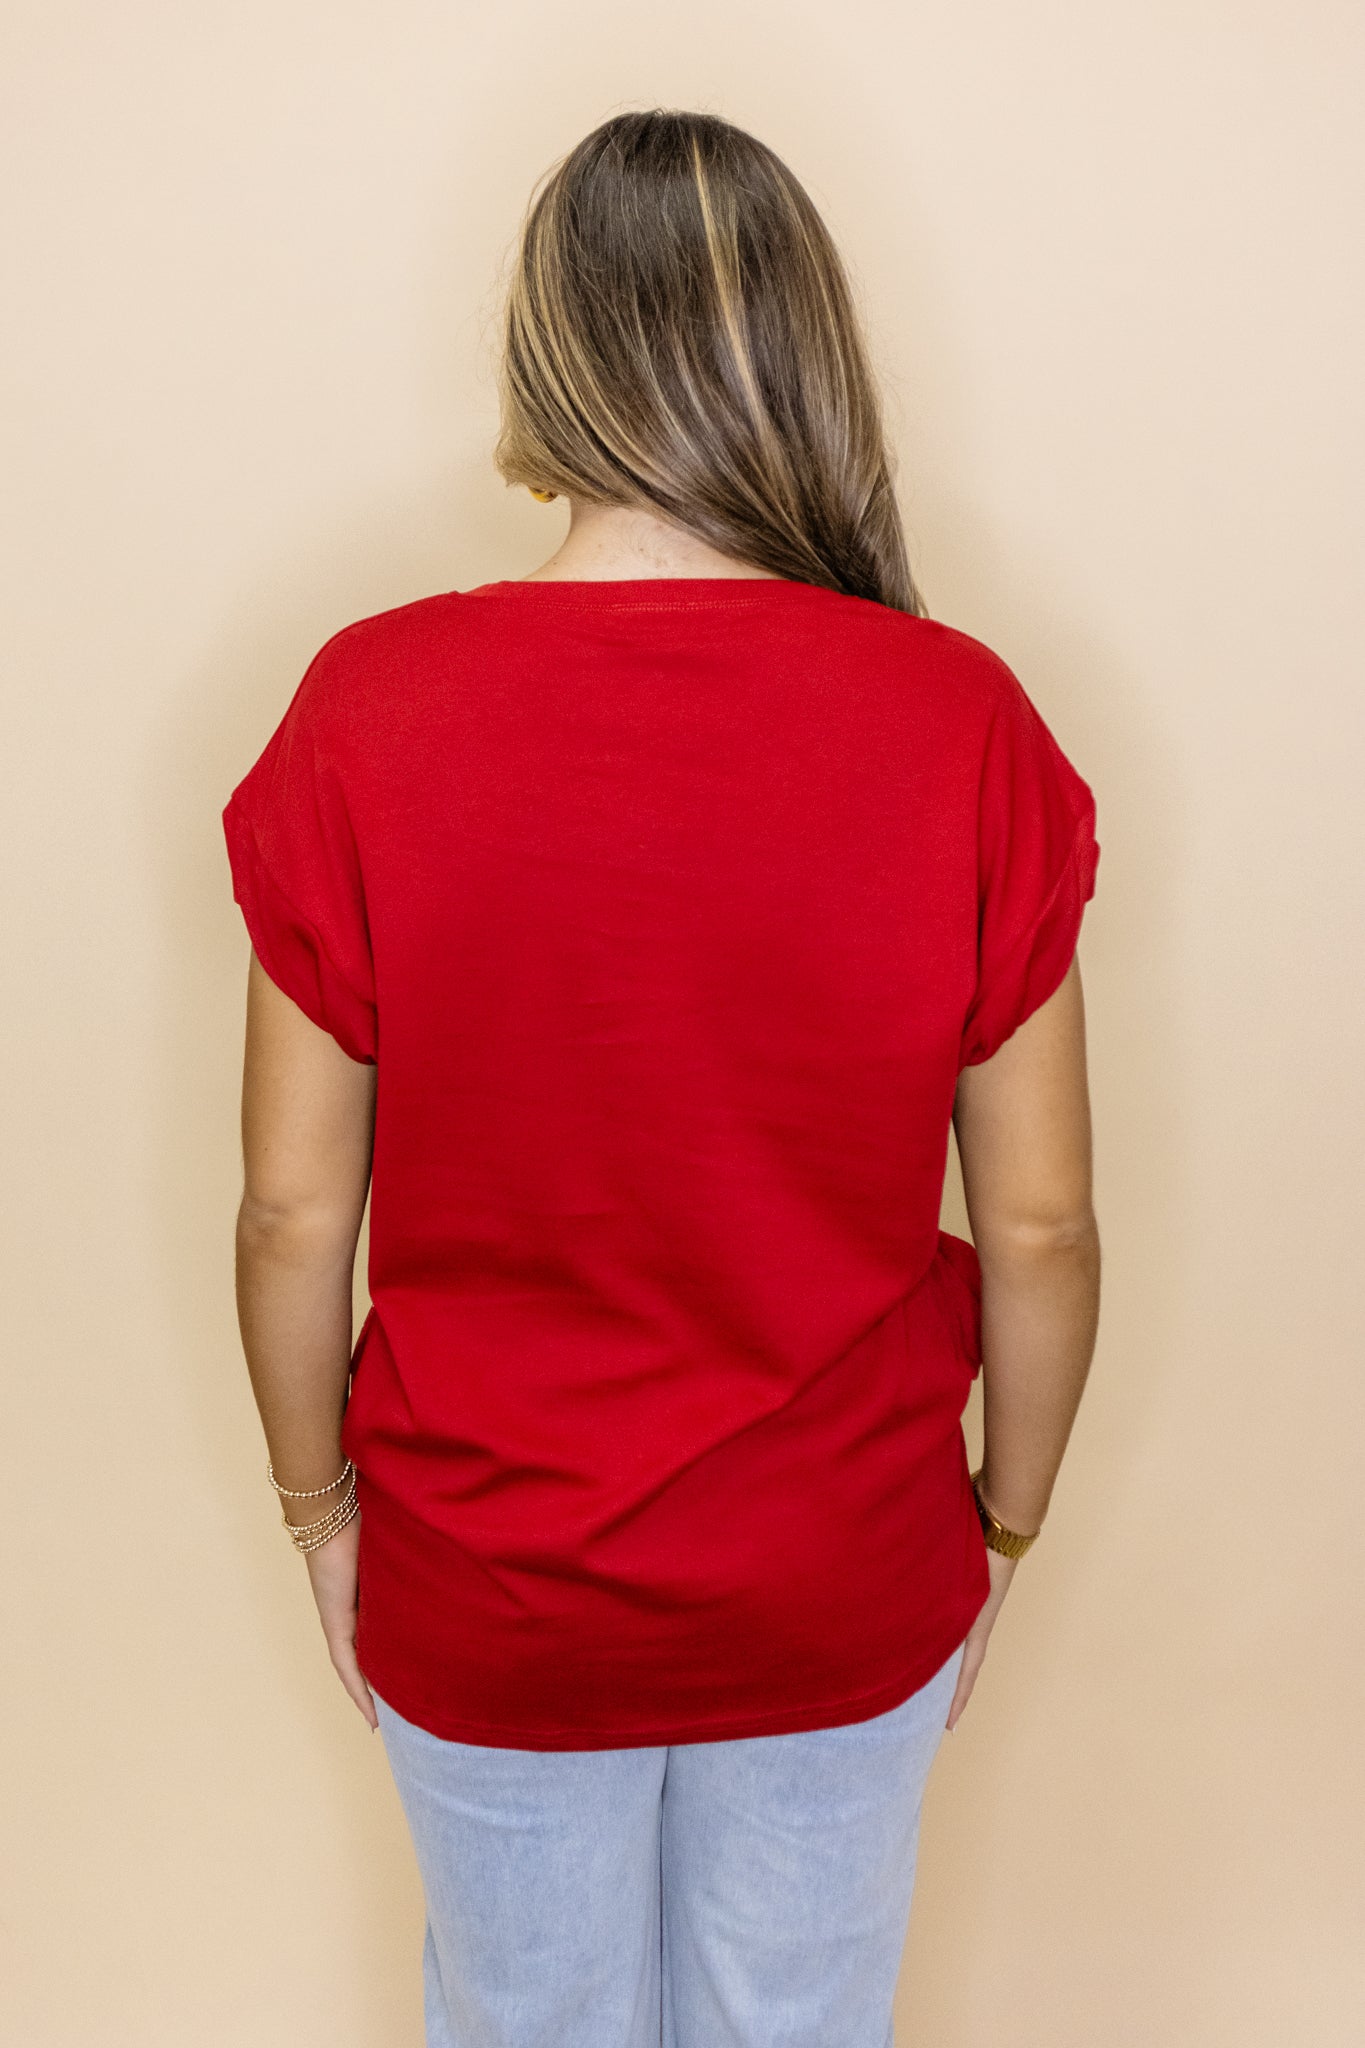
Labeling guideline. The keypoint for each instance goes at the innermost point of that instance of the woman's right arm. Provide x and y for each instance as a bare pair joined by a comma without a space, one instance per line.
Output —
1022,1120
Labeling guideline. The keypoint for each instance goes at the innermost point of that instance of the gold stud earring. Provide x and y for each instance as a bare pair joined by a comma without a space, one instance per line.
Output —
545,497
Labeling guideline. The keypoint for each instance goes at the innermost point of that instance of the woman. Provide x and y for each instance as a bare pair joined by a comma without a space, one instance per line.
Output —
633,932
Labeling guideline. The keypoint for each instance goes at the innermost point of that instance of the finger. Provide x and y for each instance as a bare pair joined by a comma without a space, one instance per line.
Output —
353,1678
960,1699
972,1661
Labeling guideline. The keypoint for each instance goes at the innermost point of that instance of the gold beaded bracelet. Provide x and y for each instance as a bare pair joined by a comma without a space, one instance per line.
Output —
307,1536
305,1492
312,1535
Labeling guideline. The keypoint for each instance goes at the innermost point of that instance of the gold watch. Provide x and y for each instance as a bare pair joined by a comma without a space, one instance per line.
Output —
1007,1541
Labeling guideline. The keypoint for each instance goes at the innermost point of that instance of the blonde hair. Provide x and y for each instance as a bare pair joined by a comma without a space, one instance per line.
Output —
680,336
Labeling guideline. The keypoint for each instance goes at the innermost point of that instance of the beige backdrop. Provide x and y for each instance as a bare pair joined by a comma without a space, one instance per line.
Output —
1110,260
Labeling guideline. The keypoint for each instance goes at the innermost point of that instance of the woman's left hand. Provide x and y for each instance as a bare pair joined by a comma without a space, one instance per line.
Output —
1002,1570
333,1569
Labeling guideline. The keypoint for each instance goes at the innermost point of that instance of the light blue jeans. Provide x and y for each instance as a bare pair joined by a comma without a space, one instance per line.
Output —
733,1894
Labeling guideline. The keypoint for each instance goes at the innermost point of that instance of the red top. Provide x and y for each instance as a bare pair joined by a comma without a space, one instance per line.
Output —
670,911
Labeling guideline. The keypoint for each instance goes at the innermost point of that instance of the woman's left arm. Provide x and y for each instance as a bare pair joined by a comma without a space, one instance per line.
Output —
307,1141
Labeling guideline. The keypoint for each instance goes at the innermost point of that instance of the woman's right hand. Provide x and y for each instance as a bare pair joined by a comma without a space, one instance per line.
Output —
1002,1570
334,1570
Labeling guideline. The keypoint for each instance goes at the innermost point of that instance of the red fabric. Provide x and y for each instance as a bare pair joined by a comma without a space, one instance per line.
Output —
670,912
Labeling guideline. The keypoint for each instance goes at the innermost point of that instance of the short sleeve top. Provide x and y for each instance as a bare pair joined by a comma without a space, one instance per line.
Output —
669,913
1037,857
296,868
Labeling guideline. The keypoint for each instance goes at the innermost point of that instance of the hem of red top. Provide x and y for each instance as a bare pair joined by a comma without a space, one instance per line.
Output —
799,1720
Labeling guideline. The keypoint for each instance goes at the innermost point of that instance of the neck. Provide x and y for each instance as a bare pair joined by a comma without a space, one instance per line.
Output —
607,542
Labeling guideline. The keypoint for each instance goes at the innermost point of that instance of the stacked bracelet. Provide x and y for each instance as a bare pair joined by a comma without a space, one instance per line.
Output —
310,1535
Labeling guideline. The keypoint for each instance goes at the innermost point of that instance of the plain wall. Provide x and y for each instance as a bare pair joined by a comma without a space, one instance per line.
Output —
1110,260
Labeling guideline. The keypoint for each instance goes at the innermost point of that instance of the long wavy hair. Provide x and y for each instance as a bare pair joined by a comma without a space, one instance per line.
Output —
680,336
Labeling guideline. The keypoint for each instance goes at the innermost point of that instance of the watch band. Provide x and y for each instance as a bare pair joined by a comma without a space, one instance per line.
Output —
1008,1542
